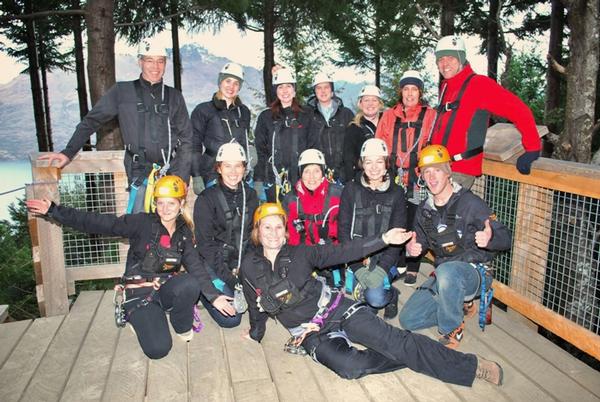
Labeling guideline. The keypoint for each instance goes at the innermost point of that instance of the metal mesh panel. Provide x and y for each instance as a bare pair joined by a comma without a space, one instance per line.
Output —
91,192
556,246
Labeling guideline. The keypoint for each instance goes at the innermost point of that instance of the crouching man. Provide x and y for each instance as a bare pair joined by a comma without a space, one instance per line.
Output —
463,235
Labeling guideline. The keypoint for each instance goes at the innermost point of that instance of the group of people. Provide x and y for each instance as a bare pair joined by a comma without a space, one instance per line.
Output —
312,220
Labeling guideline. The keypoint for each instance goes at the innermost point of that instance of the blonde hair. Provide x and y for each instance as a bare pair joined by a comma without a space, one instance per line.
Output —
220,96
359,115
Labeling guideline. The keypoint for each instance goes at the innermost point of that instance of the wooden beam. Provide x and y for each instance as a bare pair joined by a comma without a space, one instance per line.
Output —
50,275
570,177
92,272
580,337
3,312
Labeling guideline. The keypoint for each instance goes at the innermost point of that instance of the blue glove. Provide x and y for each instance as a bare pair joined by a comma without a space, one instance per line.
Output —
525,160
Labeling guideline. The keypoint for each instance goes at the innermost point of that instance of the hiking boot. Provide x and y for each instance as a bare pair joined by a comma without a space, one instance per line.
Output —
186,336
452,339
410,279
391,310
489,371
469,309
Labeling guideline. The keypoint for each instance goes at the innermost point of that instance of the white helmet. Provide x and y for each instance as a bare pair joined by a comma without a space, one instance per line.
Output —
373,147
151,47
320,78
369,90
451,46
411,77
311,156
284,76
231,70
231,152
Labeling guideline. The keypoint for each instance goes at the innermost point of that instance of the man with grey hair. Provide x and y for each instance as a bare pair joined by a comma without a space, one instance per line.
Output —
153,120
466,101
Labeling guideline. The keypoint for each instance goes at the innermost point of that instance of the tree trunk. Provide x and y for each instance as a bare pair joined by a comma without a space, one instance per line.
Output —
48,120
553,78
34,78
79,63
176,53
447,15
101,64
576,139
269,49
492,39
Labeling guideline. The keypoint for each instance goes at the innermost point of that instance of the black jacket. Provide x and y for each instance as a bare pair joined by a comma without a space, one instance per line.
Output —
303,259
355,137
287,130
211,228
394,196
471,213
121,101
332,135
214,124
140,230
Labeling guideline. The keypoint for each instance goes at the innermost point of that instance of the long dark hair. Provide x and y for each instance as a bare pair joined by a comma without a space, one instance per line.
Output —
277,108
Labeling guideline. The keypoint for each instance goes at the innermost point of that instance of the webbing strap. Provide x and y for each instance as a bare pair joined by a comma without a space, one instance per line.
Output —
455,106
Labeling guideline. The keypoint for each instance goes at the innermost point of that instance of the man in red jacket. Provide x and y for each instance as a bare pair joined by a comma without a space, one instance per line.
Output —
466,102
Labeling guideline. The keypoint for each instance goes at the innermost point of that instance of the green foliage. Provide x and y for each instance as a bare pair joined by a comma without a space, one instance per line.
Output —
17,281
526,77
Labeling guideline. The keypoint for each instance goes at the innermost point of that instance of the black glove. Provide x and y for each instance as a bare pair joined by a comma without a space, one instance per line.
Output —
525,160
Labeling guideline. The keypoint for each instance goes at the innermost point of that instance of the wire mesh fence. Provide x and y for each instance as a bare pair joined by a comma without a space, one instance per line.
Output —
93,192
556,245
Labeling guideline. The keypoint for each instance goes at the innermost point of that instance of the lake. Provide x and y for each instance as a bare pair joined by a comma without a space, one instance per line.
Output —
14,174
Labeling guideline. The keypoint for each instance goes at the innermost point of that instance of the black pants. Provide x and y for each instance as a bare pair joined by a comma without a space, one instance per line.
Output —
388,348
412,263
177,296
224,321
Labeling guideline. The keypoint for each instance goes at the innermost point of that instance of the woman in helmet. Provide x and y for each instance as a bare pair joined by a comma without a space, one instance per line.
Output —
405,128
160,244
223,221
220,120
370,205
282,133
362,127
278,282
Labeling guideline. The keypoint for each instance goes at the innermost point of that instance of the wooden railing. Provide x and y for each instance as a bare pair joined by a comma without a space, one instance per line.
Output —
523,275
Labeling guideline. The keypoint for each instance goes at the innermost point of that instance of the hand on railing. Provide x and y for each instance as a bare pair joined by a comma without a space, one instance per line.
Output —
62,159
483,237
414,248
38,206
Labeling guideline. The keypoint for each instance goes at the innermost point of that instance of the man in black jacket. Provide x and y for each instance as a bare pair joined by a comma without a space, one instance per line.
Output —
331,118
464,235
153,120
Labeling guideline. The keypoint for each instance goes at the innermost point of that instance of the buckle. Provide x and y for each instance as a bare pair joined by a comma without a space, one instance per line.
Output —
378,209
448,106
135,158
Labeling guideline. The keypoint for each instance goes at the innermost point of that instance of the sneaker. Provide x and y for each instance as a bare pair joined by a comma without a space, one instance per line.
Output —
489,371
452,340
410,279
186,336
469,309
391,310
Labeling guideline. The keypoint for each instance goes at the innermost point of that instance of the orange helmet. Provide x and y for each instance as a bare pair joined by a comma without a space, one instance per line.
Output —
268,209
432,155
170,187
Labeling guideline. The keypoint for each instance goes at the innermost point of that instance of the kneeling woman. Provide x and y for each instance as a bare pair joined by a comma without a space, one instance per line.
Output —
153,283
223,221
278,283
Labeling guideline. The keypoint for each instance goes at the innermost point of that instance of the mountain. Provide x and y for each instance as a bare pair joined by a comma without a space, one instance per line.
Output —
199,80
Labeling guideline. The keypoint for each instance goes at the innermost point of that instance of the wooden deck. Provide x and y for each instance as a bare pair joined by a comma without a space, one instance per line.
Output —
82,356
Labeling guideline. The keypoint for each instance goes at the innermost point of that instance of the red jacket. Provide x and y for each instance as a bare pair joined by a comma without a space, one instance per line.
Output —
385,131
312,204
483,95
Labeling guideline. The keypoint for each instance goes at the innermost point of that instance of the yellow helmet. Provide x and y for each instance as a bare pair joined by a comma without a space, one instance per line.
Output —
268,209
433,154
170,187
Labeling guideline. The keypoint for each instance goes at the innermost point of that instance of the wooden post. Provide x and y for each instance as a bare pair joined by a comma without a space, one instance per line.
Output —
531,239
47,239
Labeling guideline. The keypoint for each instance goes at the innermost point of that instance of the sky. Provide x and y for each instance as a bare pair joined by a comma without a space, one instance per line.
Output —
244,48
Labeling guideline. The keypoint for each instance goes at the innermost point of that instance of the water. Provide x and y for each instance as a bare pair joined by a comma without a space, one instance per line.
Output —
13,174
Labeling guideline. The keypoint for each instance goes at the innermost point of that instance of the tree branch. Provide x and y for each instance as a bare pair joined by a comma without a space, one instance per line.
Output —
164,17
41,14
559,68
426,22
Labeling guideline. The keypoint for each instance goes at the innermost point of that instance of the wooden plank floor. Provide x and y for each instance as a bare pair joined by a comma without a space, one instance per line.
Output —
83,357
